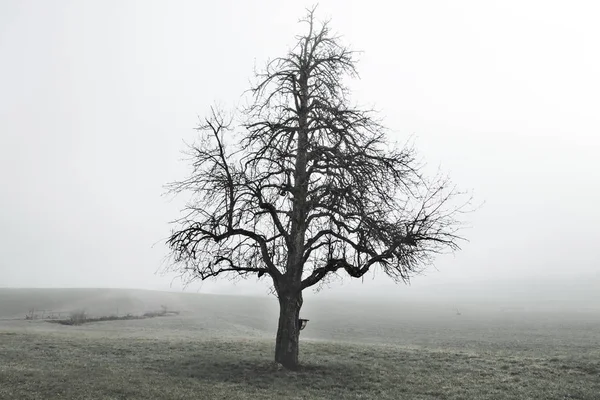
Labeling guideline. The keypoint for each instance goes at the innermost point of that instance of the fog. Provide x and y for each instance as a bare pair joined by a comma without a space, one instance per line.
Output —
97,96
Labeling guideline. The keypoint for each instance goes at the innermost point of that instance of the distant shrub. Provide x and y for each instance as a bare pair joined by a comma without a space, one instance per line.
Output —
163,311
78,317
151,314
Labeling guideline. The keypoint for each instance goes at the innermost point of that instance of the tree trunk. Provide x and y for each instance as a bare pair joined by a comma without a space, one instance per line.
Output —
288,331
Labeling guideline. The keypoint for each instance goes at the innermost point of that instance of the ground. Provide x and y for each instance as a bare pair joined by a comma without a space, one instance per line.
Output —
222,348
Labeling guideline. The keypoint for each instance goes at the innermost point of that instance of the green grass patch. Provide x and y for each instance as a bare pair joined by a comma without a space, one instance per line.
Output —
66,366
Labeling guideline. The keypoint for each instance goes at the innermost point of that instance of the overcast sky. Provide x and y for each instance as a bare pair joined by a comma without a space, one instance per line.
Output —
96,97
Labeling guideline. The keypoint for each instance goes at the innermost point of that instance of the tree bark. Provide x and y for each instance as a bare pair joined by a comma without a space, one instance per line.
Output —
288,331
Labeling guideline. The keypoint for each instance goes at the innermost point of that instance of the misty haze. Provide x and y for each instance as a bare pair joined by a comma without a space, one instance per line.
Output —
384,200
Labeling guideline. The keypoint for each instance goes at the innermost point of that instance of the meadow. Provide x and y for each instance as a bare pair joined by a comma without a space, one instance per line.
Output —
221,347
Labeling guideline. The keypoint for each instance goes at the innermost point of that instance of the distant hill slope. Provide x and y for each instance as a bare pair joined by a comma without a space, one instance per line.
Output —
353,319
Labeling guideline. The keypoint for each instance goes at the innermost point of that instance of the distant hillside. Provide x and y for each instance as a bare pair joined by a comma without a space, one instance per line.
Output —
15,303
354,318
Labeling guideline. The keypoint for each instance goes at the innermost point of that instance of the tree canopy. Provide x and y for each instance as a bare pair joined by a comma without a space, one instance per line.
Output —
301,184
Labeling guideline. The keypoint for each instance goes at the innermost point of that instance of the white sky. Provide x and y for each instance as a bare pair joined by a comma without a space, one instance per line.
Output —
96,97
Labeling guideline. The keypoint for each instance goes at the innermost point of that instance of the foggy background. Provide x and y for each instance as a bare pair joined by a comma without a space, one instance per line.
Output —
97,96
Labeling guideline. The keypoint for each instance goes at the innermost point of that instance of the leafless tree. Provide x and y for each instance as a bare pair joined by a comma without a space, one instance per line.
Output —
307,187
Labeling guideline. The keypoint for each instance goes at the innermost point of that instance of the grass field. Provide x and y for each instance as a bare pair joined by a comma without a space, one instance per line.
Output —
221,347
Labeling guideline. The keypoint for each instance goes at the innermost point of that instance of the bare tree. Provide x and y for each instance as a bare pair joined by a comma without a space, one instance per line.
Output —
308,188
